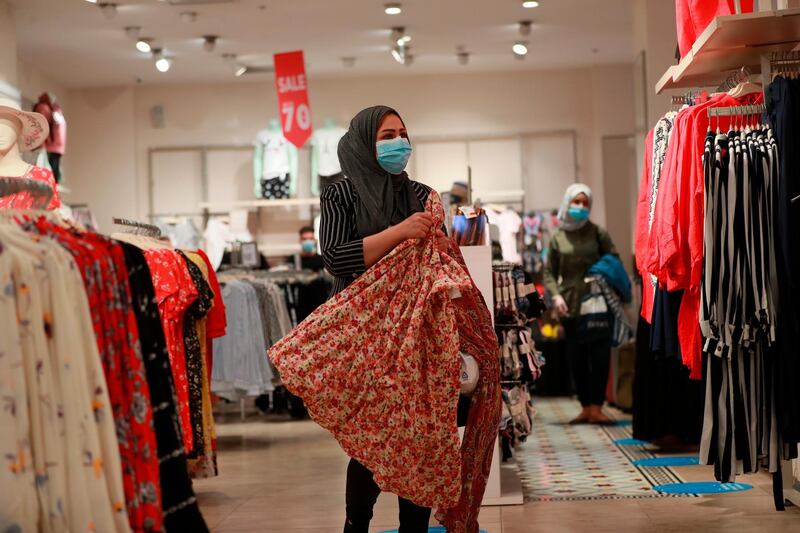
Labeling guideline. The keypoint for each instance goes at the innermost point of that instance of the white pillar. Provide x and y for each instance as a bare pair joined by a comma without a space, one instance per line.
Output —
8,52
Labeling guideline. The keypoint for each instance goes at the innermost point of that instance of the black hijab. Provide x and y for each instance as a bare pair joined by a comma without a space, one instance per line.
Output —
385,199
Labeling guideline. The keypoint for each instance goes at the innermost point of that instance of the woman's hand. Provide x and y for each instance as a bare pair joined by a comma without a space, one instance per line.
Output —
442,242
560,305
417,226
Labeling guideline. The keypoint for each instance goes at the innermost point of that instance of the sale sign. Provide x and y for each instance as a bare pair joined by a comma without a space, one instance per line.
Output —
292,85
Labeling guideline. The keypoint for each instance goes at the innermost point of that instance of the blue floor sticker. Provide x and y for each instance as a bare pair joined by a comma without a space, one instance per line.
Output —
432,529
668,461
631,442
626,422
702,487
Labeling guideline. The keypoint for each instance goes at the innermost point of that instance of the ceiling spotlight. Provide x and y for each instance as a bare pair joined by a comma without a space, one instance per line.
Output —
398,54
143,45
520,48
209,42
400,36
525,27
463,58
349,62
392,8
241,71
92,1
108,10
404,40
530,4
163,64
133,31
187,17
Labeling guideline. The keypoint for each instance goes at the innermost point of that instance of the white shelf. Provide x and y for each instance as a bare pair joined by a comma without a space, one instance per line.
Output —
730,43
257,204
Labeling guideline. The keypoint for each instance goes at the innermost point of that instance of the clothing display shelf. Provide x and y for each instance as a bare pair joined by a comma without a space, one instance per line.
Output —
257,204
41,191
732,42
503,486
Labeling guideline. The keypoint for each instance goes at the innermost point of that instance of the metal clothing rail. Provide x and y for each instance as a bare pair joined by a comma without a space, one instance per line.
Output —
42,192
152,230
735,111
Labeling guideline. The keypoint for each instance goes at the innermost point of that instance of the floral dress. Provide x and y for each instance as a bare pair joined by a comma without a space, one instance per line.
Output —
24,200
175,292
378,366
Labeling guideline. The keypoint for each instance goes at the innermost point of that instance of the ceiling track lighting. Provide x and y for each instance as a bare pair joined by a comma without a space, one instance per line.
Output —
400,36
241,70
520,49
530,4
144,46
525,27
108,9
393,8
209,42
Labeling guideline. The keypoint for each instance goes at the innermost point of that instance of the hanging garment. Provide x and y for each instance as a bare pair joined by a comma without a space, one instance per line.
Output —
240,363
359,374
694,16
178,500
175,291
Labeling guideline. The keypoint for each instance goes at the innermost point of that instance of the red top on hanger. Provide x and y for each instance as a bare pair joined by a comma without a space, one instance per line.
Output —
694,16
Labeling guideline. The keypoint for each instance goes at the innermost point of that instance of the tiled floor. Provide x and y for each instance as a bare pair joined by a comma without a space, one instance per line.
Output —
288,477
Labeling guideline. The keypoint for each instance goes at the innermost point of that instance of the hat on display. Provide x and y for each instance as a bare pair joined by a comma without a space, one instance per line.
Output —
34,126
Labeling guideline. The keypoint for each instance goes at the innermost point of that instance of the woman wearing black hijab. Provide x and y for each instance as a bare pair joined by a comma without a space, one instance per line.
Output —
374,208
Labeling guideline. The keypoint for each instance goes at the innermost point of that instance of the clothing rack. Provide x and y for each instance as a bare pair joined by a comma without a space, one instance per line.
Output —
735,111
150,229
734,78
784,63
40,190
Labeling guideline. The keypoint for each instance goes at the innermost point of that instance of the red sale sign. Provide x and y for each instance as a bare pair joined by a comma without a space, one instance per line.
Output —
292,85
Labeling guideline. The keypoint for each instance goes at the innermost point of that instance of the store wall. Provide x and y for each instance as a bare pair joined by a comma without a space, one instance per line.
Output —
594,102
8,49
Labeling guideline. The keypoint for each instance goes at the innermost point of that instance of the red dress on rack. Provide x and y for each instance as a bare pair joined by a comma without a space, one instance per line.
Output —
175,292
378,366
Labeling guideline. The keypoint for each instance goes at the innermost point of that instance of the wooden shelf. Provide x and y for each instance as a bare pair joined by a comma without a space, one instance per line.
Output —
256,204
730,43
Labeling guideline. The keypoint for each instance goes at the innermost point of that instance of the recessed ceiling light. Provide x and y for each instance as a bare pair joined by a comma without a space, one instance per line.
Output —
108,10
393,8
143,45
520,48
92,1
209,42
529,4
163,64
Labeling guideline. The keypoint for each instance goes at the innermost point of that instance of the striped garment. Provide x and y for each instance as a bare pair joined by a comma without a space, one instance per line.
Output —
342,246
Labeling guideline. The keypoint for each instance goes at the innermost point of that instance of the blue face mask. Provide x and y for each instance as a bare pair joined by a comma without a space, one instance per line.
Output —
393,154
308,246
578,213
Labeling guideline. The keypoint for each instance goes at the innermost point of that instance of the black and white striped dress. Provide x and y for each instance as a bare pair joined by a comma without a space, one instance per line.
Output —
342,246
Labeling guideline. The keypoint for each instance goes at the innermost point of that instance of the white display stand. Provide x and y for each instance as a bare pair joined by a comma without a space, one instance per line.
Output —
503,486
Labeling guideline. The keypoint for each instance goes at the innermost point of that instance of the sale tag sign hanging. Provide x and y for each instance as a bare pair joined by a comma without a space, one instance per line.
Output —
292,85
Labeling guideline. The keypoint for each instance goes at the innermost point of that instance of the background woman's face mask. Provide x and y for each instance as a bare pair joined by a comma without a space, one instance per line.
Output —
309,246
578,212
393,154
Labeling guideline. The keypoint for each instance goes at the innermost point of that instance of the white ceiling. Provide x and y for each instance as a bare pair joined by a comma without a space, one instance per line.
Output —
75,44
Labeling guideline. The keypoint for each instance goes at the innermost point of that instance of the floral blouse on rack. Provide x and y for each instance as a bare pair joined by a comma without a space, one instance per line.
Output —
24,200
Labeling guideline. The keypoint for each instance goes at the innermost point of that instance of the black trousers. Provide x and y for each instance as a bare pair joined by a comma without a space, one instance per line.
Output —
55,164
590,363
363,492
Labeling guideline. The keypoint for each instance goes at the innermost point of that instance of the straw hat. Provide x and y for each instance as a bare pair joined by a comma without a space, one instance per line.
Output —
34,126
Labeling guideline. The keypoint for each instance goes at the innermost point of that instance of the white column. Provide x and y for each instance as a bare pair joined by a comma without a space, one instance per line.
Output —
8,52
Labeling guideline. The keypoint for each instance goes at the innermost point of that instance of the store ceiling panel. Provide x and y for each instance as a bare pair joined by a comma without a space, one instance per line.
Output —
81,45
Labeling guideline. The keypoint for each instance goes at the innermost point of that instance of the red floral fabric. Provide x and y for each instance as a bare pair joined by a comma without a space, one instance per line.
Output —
378,366
175,292
102,265
24,200
217,323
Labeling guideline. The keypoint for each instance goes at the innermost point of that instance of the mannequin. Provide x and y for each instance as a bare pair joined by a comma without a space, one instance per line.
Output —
325,168
20,131
275,164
